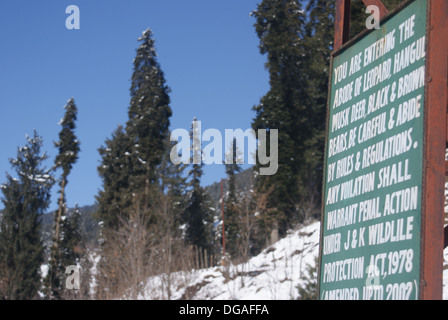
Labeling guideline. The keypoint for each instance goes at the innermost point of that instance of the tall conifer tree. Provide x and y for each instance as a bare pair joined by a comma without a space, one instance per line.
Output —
149,114
131,157
63,256
318,42
232,220
280,27
197,215
25,199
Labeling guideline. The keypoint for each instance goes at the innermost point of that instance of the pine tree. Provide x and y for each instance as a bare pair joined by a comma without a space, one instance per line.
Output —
62,256
132,158
298,45
114,202
115,171
173,186
280,27
232,220
197,215
308,288
318,42
25,199
149,113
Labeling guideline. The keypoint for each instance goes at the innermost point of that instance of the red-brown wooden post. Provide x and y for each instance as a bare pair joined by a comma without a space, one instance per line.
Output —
342,23
435,145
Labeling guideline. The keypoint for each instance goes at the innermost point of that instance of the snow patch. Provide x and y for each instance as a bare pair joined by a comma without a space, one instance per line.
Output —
272,275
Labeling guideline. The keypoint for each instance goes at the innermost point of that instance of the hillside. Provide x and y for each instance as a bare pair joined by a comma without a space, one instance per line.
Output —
272,275
275,274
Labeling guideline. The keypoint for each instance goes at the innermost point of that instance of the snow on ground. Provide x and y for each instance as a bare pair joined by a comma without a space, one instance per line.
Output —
272,275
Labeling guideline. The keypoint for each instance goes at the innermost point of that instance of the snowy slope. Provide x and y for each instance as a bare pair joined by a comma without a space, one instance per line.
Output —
272,275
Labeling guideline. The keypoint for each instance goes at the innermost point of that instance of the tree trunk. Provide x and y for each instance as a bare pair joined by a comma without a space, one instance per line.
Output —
59,214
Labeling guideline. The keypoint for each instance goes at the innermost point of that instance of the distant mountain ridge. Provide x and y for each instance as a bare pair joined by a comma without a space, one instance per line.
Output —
244,183
88,224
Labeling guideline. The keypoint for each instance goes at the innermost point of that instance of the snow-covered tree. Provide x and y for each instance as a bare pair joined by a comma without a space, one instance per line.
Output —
232,219
115,171
25,199
197,215
64,233
149,114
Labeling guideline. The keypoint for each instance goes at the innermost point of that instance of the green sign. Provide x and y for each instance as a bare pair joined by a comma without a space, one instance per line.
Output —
371,223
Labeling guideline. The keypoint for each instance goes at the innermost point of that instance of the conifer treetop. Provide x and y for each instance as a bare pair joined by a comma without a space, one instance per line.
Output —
68,144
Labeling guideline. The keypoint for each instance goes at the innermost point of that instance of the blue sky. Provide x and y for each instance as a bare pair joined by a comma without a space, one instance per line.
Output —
208,50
